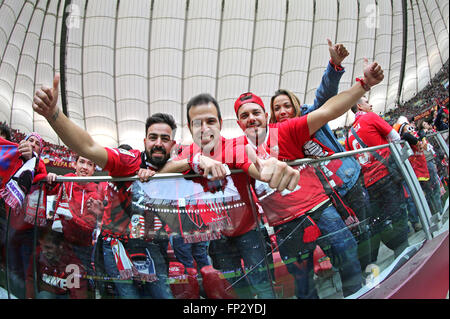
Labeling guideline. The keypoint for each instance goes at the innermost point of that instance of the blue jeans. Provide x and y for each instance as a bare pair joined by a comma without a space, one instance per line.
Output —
298,257
159,289
344,250
432,189
227,254
357,198
413,217
186,252
391,225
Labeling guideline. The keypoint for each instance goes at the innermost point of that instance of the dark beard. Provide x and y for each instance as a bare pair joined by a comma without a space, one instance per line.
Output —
159,162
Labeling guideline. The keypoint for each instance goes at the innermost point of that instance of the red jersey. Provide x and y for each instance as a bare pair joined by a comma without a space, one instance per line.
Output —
79,228
59,277
372,130
233,154
419,163
284,140
118,212
314,148
116,220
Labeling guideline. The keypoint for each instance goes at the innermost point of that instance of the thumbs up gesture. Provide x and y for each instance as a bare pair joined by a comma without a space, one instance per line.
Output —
277,174
338,52
45,99
373,73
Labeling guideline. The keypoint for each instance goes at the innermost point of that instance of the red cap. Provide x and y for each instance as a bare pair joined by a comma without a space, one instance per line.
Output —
248,97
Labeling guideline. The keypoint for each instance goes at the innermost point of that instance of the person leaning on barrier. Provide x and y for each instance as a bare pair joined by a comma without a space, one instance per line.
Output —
116,231
419,164
344,173
390,216
432,155
282,140
79,210
207,155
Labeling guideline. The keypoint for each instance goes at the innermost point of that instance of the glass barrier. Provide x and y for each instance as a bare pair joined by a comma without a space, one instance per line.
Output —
184,237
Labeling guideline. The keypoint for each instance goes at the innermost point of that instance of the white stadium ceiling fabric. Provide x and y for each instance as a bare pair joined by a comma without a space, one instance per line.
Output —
125,60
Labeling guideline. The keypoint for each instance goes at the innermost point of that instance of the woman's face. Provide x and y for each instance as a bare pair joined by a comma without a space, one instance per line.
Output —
283,108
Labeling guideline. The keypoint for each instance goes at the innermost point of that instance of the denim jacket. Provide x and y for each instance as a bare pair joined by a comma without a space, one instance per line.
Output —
350,168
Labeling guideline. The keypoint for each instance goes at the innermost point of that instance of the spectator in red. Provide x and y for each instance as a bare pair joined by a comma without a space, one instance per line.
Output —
21,221
59,273
79,210
419,164
369,129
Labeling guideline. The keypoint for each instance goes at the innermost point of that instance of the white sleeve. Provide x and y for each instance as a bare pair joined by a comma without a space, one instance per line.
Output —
393,136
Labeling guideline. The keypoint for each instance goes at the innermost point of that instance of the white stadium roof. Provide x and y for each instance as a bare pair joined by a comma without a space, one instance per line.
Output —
125,60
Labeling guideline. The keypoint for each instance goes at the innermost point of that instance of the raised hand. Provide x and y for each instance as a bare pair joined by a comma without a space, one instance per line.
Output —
338,52
373,73
45,99
25,149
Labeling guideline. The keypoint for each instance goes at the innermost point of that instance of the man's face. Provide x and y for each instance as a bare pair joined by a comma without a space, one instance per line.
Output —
364,105
158,143
50,250
205,126
283,108
253,121
84,167
34,142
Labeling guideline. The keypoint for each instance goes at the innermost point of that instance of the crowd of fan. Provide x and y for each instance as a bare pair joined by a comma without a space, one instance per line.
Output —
60,153
434,93
53,152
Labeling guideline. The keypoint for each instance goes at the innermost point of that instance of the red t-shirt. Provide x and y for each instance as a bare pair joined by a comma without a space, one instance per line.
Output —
233,154
54,278
314,148
285,140
372,130
419,164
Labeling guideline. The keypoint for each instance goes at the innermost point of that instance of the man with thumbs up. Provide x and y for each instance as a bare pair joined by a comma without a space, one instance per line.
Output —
287,213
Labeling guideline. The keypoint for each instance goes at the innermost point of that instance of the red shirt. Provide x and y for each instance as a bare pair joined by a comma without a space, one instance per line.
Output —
56,278
118,212
419,164
372,130
314,148
117,215
285,140
78,230
233,154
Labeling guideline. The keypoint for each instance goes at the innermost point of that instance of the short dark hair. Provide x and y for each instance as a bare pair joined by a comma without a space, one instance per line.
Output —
49,235
201,99
161,118
6,131
125,147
